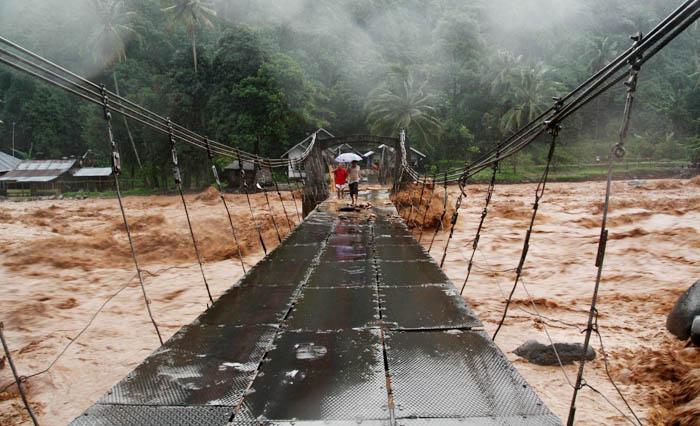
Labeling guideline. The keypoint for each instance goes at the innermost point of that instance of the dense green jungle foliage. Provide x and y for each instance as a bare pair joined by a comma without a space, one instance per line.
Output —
262,74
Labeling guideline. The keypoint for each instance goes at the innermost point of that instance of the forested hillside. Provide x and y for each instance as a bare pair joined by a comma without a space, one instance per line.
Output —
262,74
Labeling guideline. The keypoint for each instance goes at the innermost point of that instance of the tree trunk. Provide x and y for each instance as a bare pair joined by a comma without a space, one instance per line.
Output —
154,178
126,123
166,176
187,179
194,52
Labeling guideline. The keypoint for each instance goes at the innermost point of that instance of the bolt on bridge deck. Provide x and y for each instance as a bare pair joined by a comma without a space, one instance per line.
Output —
348,321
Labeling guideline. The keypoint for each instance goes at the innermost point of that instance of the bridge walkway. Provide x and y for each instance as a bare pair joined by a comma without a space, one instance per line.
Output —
349,321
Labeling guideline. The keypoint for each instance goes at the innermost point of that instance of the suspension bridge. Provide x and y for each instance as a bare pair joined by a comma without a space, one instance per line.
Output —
348,320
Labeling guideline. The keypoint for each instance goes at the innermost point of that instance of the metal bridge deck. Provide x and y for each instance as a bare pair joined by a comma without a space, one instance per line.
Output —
348,321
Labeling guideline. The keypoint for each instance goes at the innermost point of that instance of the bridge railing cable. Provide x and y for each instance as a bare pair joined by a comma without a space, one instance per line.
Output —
272,214
644,48
617,152
219,187
178,182
642,51
484,213
244,184
539,193
279,195
32,64
116,171
427,206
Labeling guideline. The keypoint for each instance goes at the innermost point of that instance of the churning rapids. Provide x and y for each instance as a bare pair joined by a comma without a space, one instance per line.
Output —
62,259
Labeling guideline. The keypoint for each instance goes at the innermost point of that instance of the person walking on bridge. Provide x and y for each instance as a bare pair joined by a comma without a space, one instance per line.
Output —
340,176
354,177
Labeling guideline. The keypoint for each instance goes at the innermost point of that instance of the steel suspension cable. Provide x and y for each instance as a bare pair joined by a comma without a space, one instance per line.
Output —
658,38
18,378
269,207
116,171
277,189
680,19
294,198
687,14
453,222
420,203
210,156
484,213
442,217
119,104
539,193
427,207
95,97
250,206
617,152
178,182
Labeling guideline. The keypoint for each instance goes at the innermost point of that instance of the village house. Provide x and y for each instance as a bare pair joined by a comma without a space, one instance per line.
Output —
7,164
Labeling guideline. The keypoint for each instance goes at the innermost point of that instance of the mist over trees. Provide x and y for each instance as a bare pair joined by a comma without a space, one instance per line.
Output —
260,75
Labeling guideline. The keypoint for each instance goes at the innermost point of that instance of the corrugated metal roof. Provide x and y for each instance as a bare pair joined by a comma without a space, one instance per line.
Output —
417,152
38,170
8,162
93,172
30,179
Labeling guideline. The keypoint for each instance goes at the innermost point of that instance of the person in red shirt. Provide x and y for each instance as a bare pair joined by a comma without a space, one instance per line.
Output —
341,176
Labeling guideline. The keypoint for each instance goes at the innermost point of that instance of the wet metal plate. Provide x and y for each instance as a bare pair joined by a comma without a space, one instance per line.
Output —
309,233
426,307
270,272
388,240
393,228
343,274
139,415
321,309
410,273
345,227
360,220
348,239
407,252
346,253
456,374
200,365
250,306
320,376
294,252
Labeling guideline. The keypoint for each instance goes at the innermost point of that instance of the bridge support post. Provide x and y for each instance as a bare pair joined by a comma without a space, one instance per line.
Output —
398,178
316,189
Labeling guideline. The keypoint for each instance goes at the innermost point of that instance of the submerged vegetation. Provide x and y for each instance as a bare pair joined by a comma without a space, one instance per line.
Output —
260,75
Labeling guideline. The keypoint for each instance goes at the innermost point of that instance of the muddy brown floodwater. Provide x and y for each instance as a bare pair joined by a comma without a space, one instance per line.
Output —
62,260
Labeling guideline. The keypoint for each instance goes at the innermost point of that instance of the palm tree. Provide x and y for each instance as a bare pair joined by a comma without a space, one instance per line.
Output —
504,65
530,94
405,105
191,14
108,43
600,51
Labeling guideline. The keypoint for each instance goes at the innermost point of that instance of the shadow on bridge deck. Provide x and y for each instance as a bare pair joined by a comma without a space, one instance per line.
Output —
348,321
